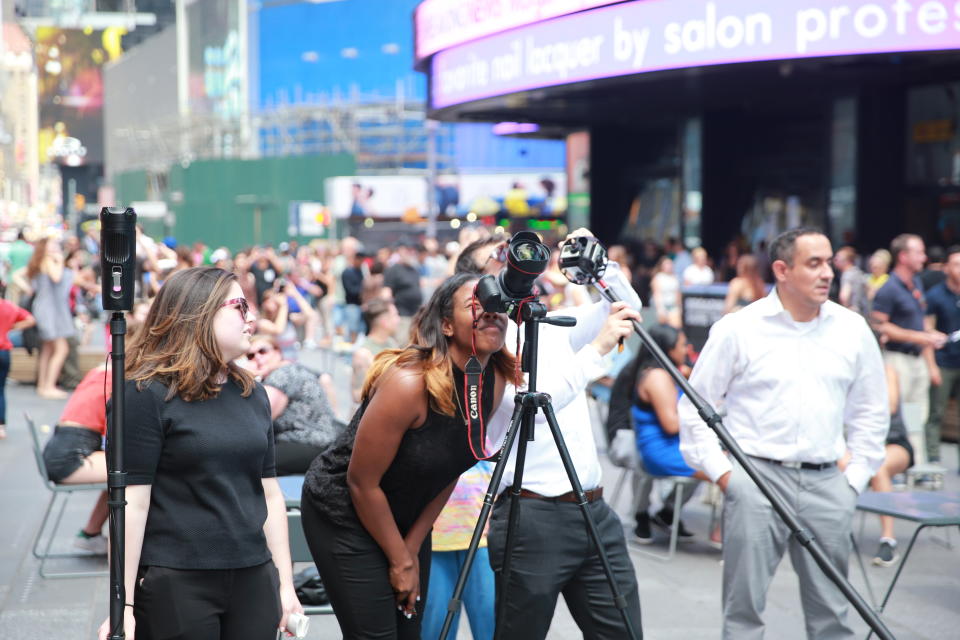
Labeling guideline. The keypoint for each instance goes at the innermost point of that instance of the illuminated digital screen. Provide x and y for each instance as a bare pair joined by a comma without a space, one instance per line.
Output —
440,24
644,36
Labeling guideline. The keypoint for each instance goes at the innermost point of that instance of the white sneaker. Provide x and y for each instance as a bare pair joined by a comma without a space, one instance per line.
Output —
96,545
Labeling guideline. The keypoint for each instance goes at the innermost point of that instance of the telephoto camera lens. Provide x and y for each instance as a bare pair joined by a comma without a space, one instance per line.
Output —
526,259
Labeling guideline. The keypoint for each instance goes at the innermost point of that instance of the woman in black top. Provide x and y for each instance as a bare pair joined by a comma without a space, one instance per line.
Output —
370,501
205,517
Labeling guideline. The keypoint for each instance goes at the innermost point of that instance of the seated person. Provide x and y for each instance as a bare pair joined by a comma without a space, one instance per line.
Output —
656,421
74,454
899,458
381,319
304,423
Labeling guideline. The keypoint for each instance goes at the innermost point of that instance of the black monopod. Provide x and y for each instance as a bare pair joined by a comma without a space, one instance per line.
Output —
118,255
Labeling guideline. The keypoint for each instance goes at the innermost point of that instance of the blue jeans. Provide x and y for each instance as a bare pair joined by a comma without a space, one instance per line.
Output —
478,596
350,317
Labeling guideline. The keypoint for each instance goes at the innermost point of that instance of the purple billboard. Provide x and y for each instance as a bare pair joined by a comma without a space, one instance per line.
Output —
652,35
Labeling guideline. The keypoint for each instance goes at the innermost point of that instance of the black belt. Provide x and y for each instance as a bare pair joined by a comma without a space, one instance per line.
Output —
809,466
570,496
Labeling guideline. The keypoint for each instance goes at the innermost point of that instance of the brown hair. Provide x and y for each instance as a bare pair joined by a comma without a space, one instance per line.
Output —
36,259
748,268
899,244
429,350
177,346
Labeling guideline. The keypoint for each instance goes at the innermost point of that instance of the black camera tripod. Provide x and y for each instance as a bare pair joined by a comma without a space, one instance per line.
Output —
526,405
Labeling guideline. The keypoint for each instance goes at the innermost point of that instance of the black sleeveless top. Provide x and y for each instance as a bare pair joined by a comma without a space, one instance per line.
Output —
428,459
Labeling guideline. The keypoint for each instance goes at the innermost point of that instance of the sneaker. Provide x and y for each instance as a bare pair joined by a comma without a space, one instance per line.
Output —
96,545
886,553
642,533
664,520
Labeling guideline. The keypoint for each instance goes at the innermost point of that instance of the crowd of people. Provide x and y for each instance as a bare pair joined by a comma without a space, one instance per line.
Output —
380,470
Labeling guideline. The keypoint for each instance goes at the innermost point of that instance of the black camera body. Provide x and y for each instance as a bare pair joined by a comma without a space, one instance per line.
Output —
527,258
583,260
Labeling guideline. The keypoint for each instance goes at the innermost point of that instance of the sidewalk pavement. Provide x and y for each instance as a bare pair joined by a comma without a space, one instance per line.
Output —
680,599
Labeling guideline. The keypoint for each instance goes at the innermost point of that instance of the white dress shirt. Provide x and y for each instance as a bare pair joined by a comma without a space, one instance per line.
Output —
567,364
789,389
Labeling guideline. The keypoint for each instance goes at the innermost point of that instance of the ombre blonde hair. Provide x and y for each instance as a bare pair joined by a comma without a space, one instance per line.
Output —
177,345
429,350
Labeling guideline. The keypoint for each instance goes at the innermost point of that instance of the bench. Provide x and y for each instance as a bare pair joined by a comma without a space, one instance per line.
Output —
23,366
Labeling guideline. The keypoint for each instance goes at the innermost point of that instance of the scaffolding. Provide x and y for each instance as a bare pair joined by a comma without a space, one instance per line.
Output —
384,138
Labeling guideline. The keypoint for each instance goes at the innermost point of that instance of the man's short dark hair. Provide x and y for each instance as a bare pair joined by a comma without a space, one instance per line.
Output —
373,309
955,249
465,261
899,244
784,245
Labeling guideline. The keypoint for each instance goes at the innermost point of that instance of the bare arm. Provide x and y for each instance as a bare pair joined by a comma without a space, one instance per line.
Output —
881,323
135,522
424,522
278,326
19,278
53,267
893,388
25,324
278,541
657,388
733,293
389,414
362,359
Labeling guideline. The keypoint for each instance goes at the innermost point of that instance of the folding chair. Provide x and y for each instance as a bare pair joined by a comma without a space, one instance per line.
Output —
300,552
55,491
680,483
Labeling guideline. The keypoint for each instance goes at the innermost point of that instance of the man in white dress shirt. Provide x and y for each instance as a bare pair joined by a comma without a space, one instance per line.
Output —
552,551
793,370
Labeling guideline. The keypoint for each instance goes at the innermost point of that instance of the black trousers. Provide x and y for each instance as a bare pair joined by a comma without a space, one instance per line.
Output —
553,554
294,458
209,604
354,571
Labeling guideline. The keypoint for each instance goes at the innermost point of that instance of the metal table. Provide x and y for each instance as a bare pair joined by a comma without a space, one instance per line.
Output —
926,508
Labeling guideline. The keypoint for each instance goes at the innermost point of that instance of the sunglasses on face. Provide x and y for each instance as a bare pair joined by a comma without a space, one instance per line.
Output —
261,351
242,305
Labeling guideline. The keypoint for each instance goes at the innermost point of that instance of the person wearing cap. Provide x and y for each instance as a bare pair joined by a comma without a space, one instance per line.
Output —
793,370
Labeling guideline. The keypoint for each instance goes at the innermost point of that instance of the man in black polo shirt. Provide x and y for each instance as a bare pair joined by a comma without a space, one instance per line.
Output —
943,314
898,315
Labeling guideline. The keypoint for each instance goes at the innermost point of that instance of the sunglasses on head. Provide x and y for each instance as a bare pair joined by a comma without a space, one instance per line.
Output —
261,351
242,305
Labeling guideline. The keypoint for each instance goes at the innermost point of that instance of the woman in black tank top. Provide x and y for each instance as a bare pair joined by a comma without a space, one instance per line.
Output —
370,501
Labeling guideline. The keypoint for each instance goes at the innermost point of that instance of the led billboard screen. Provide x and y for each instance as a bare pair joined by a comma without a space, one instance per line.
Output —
440,24
70,92
643,36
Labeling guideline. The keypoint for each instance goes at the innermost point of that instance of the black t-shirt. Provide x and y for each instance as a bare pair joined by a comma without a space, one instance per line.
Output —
352,279
205,461
404,282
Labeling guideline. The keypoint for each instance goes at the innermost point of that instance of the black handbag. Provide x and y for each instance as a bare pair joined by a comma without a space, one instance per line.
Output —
310,590
31,335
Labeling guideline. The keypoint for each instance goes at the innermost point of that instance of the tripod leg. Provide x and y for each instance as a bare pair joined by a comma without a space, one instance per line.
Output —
456,599
619,600
526,418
